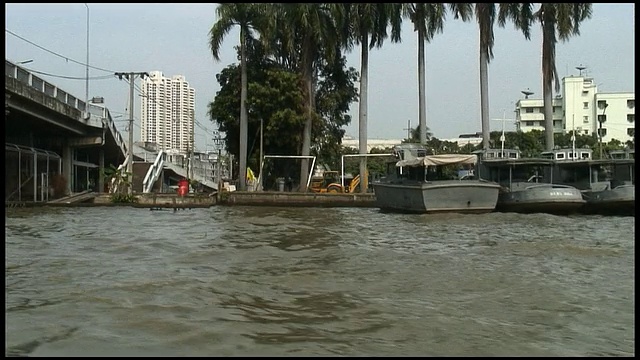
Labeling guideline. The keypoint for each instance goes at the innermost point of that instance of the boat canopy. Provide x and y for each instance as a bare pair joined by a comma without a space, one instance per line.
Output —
442,159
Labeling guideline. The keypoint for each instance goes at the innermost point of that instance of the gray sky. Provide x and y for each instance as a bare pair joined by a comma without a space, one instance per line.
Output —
173,38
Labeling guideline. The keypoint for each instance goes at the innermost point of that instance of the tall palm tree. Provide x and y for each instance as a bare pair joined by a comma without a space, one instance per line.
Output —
366,25
485,13
428,19
563,19
243,15
304,32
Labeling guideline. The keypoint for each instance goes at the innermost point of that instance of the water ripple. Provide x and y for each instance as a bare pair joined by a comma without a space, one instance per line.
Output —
311,282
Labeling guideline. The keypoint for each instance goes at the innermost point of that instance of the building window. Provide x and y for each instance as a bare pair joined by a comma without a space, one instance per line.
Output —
557,109
529,110
631,118
528,123
585,105
585,119
585,92
559,156
631,131
631,103
586,132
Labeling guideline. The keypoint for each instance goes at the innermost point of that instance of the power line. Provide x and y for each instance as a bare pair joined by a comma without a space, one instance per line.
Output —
55,53
104,77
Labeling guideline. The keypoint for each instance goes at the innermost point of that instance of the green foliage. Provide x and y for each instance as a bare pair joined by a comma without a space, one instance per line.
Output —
119,198
275,97
123,178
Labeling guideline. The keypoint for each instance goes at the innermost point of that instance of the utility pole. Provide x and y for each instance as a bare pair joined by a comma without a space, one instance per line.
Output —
86,90
131,76
261,153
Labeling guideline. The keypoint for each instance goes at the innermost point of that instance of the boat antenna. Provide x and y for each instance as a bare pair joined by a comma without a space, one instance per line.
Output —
504,112
573,136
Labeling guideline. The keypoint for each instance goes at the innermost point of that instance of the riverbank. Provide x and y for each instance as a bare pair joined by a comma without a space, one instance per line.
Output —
235,198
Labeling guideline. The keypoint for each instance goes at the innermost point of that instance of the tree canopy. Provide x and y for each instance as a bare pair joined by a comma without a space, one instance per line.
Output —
275,97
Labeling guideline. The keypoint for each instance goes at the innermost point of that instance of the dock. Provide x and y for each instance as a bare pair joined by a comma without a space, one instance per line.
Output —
160,201
273,198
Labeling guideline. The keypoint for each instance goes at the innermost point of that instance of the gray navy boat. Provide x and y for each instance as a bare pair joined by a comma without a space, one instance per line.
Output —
421,183
527,184
607,185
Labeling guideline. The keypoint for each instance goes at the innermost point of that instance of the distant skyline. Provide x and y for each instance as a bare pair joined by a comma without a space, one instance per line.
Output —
173,39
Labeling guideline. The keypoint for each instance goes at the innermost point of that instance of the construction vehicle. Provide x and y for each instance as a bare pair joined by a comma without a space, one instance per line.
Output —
329,182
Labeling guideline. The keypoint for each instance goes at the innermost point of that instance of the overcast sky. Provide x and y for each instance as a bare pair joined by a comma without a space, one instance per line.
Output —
173,38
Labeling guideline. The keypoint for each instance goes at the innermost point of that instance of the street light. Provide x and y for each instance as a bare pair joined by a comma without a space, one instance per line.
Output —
86,91
218,141
601,120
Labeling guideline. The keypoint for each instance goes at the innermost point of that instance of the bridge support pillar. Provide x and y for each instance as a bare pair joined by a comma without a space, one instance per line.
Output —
101,171
67,161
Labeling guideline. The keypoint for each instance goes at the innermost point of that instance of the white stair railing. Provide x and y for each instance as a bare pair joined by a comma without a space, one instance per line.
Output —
154,173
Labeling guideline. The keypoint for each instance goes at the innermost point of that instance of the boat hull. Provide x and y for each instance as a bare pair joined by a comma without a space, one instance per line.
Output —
467,196
542,199
619,201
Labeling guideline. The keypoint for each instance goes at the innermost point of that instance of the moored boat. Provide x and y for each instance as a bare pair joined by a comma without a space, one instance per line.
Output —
421,183
527,184
607,185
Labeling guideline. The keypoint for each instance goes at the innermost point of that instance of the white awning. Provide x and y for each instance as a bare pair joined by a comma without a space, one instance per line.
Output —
443,159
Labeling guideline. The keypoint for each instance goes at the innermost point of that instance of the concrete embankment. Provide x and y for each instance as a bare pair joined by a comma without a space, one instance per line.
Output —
297,199
235,198
172,201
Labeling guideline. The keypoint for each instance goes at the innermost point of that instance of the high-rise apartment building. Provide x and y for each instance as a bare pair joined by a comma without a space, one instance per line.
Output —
581,107
168,112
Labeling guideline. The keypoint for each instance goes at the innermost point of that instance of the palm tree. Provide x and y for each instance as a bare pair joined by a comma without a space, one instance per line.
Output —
427,19
485,15
415,134
363,21
563,19
304,32
243,15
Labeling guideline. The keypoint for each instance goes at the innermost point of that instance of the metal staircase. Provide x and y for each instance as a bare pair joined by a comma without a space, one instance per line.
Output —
198,176
154,173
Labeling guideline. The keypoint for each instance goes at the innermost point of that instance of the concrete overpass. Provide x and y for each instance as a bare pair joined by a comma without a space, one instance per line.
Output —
57,145
53,139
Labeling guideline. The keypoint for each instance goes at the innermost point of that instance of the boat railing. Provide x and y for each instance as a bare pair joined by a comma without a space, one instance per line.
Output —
549,185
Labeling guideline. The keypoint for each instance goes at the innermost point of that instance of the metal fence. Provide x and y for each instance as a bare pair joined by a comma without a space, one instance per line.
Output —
32,174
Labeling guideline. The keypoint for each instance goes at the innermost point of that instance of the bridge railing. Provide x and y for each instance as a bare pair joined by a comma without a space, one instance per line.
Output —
96,114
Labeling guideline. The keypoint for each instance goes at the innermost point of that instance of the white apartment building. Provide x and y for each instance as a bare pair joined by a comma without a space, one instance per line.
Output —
168,110
581,107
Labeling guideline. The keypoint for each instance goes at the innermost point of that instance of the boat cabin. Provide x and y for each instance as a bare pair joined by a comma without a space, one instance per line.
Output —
562,154
585,173
517,173
412,163
409,151
498,154
622,154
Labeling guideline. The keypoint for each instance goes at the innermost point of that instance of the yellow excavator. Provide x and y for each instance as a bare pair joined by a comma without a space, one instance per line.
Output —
329,182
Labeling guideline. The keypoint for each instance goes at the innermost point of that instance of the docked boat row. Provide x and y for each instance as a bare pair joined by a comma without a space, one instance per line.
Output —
564,181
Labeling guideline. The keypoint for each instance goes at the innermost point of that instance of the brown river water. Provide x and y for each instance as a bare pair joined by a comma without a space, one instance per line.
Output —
234,281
